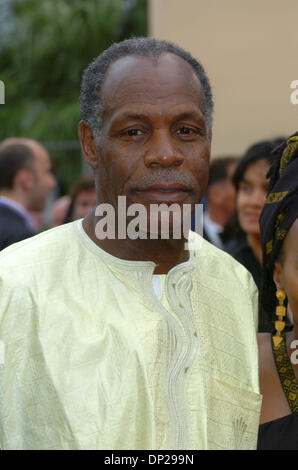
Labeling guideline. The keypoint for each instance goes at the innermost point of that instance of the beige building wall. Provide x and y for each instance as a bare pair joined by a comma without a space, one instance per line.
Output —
250,52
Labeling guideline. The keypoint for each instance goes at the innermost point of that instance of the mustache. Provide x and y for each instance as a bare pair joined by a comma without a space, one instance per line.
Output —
163,176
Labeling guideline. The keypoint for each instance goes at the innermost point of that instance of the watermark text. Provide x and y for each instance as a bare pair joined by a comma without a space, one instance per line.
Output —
294,355
294,94
155,221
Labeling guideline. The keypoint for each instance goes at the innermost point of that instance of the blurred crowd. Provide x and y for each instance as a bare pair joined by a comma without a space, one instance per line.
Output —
26,183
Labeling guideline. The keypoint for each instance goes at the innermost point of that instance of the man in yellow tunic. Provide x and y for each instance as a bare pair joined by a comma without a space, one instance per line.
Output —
121,343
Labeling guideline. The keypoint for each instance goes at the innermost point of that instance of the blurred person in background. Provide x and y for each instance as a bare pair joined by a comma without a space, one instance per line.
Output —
59,210
279,350
37,217
83,199
25,183
220,199
251,183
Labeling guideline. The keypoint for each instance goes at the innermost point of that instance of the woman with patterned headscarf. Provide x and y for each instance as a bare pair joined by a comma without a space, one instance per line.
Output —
279,351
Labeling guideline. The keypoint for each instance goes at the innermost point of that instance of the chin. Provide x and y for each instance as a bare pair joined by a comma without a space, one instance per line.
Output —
255,232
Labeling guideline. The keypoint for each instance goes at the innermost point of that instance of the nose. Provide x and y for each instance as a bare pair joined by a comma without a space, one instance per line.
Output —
163,152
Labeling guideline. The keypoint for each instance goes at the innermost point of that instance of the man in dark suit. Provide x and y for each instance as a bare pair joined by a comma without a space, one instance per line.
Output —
25,183
220,200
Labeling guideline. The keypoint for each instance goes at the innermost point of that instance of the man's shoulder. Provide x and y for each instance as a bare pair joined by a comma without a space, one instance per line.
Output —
219,264
40,249
225,284
206,249
13,227
9,218
6,211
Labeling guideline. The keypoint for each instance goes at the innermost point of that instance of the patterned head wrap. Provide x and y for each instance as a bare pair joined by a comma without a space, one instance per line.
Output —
279,213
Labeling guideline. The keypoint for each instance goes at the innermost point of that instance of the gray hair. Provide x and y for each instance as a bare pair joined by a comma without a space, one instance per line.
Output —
91,101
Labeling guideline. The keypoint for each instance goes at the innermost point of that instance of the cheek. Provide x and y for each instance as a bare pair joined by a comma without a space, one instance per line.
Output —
241,203
120,158
202,172
204,156
232,193
116,172
247,225
122,172
264,194
199,168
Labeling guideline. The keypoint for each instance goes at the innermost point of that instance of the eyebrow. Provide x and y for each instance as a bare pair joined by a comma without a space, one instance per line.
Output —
185,115
246,181
190,115
134,116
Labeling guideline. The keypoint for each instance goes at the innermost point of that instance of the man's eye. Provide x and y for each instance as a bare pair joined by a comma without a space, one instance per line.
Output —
186,131
133,132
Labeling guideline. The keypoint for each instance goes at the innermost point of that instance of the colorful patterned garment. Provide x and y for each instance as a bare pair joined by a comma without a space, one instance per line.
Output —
278,215
286,374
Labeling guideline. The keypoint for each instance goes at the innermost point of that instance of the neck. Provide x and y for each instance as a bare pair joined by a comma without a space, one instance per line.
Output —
16,196
254,242
164,253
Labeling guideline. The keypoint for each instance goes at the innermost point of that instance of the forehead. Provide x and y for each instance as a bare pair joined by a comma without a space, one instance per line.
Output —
132,80
231,169
86,193
257,171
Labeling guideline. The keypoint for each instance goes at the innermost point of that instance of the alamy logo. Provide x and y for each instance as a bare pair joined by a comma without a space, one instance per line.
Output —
2,92
159,221
294,94
294,355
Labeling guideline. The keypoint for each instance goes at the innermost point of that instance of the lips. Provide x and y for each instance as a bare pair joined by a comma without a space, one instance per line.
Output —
252,216
174,192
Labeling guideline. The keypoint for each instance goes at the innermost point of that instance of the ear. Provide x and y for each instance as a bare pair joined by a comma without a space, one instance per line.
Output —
24,179
278,275
88,144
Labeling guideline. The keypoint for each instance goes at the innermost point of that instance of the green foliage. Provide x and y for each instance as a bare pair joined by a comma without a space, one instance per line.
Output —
41,65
